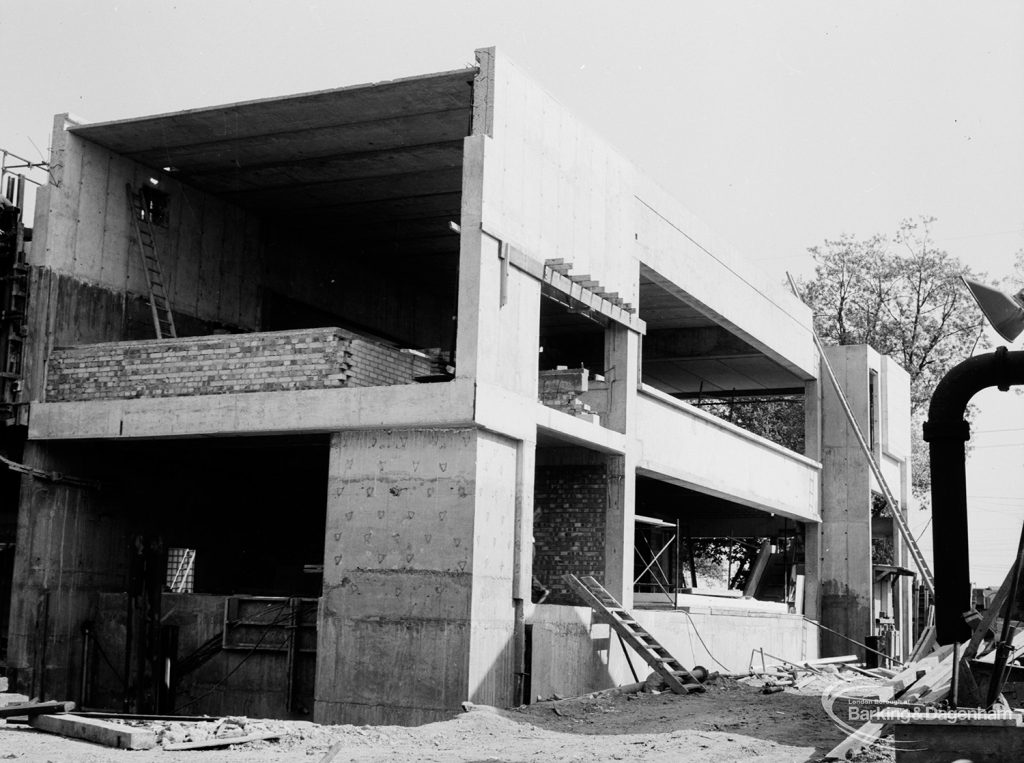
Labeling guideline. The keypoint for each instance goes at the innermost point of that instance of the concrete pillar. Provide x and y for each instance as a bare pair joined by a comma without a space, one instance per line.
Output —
846,577
622,369
417,613
812,530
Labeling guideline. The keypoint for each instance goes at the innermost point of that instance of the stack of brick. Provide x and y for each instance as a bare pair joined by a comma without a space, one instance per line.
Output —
227,363
568,526
561,389
377,365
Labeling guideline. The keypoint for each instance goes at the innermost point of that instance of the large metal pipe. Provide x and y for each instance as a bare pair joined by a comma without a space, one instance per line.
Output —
946,432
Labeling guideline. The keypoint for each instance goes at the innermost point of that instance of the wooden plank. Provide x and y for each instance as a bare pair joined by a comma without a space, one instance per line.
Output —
95,730
924,643
860,738
33,708
833,660
725,593
205,744
764,555
989,618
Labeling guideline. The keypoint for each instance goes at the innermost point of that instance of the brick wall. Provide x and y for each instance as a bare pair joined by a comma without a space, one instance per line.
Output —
571,391
227,363
568,526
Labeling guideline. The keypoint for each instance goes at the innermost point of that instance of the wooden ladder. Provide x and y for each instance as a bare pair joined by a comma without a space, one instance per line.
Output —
593,594
142,221
180,580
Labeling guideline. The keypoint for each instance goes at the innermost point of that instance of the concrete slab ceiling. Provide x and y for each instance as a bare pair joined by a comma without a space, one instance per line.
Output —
687,353
381,162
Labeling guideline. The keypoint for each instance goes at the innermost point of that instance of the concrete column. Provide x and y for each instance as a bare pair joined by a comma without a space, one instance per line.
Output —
846,578
417,612
622,369
812,530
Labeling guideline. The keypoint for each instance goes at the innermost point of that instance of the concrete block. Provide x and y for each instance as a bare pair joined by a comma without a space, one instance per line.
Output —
95,730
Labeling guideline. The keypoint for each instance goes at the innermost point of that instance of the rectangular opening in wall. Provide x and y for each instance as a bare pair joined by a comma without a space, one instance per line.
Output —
688,354
181,570
873,409
335,208
571,359
711,551
211,522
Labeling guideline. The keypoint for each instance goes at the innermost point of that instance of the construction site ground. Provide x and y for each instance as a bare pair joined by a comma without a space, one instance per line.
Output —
731,721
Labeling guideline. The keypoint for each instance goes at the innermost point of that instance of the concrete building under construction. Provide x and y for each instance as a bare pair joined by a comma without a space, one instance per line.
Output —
422,347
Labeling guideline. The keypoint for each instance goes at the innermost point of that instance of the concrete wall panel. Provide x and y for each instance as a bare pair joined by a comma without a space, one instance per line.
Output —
555,189
89,234
574,655
895,409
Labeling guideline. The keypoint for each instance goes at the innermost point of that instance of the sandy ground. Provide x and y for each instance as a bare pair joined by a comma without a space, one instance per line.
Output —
731,722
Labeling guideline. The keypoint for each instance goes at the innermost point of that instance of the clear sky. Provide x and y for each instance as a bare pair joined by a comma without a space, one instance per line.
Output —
778,123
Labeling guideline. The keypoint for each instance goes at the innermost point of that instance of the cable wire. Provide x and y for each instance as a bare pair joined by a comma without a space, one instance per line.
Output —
701,640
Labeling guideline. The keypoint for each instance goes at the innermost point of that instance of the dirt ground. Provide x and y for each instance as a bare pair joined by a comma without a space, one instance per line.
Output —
730,722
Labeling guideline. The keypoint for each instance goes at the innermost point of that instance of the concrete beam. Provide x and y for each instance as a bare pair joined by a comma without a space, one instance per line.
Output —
300,412
575,431
95,730
681,444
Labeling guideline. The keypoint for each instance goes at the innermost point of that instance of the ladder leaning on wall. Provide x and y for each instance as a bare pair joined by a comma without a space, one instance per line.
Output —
142,222
594,595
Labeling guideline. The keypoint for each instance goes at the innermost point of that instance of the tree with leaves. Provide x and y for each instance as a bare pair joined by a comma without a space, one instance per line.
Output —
905,298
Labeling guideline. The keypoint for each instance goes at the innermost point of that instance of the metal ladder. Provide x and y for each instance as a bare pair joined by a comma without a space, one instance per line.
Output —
593,594
142,221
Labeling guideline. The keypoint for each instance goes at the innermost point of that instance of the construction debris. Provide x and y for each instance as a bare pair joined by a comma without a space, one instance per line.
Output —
927,687
31,709
106,733
128,732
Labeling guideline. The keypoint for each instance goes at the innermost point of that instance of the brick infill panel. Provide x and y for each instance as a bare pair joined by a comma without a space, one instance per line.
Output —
226,364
